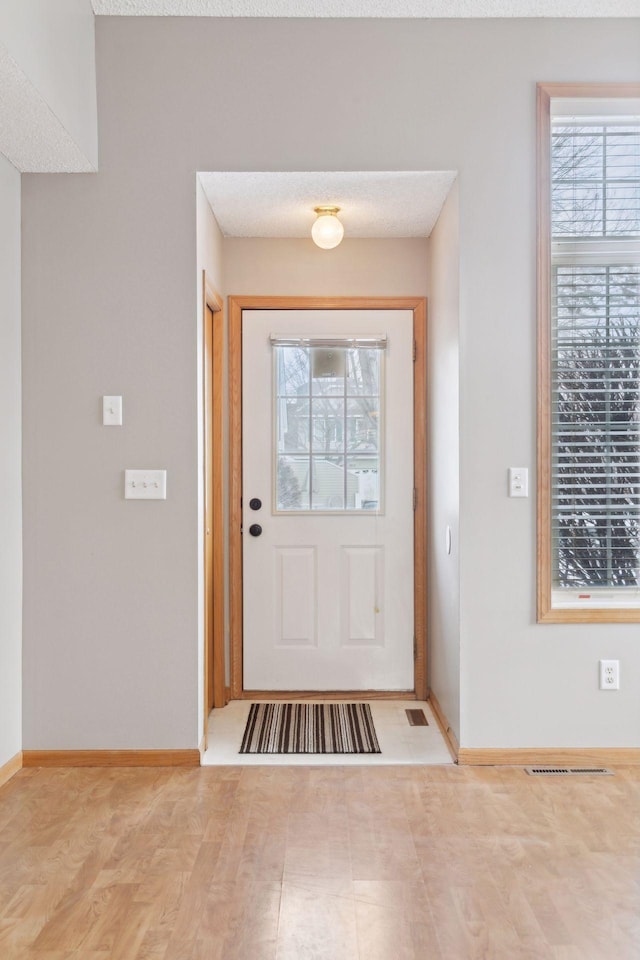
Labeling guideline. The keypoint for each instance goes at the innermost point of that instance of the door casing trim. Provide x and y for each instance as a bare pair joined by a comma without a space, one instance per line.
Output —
213,533
418,306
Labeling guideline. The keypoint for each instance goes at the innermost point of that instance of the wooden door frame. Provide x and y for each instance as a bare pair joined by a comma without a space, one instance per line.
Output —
213,427
418,306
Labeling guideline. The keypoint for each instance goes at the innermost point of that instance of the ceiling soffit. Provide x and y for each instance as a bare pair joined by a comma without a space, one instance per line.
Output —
421,9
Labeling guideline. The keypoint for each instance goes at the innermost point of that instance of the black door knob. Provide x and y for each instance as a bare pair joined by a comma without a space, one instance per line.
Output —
255,529
255,503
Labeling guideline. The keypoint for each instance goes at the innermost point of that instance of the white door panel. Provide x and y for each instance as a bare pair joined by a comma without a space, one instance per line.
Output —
296,596
328,592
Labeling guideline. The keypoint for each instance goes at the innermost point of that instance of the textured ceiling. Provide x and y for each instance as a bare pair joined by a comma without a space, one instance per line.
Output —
378,204
369,8
31,135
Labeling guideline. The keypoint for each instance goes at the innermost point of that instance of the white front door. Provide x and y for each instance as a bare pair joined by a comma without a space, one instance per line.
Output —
327,452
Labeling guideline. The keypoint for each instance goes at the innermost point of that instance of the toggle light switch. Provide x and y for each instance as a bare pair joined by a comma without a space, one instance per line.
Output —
145,484
112,411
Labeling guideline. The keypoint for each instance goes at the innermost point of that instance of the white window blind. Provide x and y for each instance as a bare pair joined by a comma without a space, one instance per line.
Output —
379,341
595,489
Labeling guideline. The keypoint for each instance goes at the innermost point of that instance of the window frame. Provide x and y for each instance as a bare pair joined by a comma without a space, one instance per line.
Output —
546,612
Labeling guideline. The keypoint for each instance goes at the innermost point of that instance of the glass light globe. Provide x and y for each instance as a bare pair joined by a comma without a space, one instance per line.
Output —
327,231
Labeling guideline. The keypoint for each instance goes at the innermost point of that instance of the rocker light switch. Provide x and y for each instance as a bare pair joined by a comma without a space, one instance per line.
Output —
145,484
518,482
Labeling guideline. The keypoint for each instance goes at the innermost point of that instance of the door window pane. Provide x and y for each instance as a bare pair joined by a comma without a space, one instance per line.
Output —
327,371
363,372
293,371
366,474
327,484
293,424
328,428
363,425
293,483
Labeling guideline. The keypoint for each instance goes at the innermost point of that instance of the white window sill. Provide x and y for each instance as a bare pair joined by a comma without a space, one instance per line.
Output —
621,599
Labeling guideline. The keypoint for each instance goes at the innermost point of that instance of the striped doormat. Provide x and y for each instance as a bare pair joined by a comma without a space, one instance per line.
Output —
310,728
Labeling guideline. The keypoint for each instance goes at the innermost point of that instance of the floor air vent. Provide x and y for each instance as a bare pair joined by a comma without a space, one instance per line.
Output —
416,718
569,772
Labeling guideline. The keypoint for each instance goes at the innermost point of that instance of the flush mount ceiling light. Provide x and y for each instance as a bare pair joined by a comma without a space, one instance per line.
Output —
327,231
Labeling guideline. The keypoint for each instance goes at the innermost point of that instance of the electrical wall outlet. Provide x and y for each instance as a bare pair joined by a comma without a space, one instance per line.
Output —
609,674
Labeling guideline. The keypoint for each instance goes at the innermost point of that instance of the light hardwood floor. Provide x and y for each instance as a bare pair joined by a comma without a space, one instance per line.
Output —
291,863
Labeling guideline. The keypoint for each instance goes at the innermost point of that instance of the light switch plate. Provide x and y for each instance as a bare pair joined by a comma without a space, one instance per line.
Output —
112,411
145,484
518,481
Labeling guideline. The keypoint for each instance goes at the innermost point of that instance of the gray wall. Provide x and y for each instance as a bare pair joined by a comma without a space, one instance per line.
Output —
10,467
110,306
361,268
443,386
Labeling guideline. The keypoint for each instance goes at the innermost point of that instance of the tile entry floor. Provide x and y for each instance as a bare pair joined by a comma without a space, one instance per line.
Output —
399,742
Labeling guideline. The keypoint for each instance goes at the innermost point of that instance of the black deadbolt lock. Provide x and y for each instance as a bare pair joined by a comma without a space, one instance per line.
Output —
255,504
255,529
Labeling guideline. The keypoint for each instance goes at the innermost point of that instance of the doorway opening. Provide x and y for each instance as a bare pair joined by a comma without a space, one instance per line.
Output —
254,239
